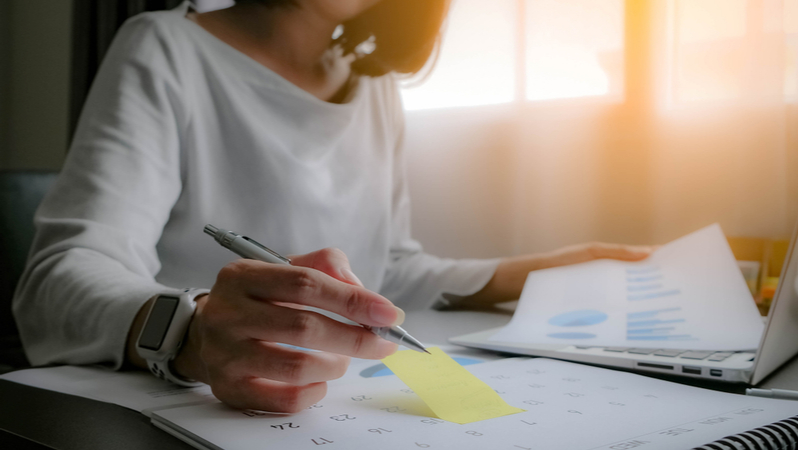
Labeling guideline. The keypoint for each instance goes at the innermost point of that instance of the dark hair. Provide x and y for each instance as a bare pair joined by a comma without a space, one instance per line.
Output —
405,33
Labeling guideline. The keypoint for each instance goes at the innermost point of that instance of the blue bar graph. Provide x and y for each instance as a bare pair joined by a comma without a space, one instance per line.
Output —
648,283
644,287
653,295
651,313
650,330
647,323
644,278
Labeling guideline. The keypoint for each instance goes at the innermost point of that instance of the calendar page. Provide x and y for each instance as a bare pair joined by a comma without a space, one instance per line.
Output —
568,406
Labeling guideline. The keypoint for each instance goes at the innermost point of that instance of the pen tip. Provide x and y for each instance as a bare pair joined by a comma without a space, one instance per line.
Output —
426,351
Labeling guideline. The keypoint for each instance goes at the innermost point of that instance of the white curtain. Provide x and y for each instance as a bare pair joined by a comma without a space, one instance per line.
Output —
552,122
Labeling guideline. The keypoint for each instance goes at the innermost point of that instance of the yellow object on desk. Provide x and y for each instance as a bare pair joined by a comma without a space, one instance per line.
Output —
451,391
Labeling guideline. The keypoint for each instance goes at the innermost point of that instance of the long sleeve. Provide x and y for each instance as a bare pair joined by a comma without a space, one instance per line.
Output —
414,279
93,261
181,130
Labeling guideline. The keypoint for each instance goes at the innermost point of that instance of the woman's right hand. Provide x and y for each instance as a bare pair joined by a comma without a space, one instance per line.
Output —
233,340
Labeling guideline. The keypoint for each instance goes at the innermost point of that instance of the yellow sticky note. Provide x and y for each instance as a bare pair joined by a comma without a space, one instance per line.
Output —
448,389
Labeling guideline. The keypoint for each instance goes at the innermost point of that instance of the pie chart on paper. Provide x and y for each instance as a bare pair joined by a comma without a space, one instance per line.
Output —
578,318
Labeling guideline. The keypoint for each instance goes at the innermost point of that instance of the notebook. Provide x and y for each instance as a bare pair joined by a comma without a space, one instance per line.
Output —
777,345
566,406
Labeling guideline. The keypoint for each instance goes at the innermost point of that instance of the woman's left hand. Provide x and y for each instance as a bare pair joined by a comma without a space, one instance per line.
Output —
509,278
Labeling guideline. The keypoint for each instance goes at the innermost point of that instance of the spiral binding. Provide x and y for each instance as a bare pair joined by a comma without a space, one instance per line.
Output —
775,436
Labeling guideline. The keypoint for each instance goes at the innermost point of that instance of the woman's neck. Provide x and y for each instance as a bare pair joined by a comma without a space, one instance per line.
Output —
294,42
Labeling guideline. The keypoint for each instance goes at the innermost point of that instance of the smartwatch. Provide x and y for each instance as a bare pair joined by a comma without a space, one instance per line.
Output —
163,332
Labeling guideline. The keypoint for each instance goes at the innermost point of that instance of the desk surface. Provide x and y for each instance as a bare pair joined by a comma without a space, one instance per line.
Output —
52,420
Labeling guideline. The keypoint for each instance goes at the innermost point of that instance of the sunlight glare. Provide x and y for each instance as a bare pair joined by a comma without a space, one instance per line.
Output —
573,48
476,64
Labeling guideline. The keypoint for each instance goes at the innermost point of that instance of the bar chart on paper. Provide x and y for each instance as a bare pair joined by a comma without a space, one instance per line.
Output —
647,283
655,325
689,294
644,284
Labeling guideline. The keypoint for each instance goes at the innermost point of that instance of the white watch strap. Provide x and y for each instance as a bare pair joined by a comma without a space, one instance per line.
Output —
162,370
159,365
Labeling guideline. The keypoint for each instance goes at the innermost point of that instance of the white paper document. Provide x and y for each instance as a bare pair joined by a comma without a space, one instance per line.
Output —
567,406
689,294
136,390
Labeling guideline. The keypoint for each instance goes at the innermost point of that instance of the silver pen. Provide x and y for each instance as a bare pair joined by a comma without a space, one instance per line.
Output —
250,249
781,394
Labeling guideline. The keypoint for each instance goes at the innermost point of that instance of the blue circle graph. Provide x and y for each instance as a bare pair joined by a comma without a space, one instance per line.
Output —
579,318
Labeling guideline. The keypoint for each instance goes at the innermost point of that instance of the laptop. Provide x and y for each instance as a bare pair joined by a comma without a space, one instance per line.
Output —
778,344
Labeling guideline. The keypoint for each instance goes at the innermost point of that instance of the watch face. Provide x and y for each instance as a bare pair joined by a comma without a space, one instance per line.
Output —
158,322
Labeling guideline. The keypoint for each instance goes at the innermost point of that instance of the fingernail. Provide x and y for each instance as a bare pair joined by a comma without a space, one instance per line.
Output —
401,317
383,313
350,276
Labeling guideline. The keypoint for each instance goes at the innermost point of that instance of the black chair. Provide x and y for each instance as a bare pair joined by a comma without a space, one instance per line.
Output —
20,195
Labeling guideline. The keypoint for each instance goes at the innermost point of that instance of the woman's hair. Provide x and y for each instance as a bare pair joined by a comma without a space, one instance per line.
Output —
404,32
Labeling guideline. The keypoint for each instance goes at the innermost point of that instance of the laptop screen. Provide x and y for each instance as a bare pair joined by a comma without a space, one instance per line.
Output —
779,341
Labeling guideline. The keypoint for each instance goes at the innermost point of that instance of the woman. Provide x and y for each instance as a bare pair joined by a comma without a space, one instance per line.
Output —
253,119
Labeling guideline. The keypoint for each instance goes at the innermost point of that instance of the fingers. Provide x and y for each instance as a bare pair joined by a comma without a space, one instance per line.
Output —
270,377
309,287
620,251
276,362
308,329
253,306
267,395
330,261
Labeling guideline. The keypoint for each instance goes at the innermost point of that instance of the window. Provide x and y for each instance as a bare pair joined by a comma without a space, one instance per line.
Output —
476,61
731,49
573,48
711,51
536,50
505,50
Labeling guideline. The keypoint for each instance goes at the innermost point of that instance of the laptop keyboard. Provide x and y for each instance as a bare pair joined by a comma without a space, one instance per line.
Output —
682,354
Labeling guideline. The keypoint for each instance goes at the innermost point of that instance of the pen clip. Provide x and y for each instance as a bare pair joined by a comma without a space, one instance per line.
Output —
268,250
